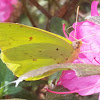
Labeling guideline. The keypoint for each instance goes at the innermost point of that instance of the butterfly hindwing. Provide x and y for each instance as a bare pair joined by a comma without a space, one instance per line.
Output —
27,48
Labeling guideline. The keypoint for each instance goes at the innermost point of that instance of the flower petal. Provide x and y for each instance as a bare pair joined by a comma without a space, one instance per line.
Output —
94,11
89,33
74,83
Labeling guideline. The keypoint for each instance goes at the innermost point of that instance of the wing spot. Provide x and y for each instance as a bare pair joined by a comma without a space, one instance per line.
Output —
9,25
34,59
57,49
12,39
72,52
21,26
25,53
61,54
50,56
40,51
54,58
30,38
66,58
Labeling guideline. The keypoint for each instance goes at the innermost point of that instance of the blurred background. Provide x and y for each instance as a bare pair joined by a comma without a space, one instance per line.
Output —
48,15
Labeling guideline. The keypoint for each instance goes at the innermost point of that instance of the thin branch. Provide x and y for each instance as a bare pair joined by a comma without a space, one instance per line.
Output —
35,3
62,11
72,7
27,13
67,9
57,3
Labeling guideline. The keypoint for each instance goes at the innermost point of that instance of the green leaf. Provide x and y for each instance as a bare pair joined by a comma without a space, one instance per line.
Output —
56,25
25,20
5,73
25,94
55,77
6,76
11,90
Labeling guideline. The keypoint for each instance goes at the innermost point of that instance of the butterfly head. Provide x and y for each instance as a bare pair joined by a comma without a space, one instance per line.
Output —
77,44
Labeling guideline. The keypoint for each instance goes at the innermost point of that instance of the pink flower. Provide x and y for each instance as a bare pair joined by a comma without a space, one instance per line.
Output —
89,32
6,8
80,85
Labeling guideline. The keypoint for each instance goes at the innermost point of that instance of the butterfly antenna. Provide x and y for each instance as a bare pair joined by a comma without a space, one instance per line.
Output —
75,24
86,43
76,20
73,37
71,26
90,51
81,60
87,36
67,32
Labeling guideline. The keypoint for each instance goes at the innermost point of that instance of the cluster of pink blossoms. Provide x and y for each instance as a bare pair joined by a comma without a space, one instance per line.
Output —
6,8
90,54
89,32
